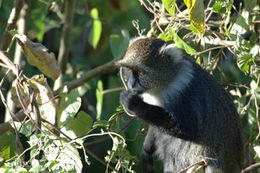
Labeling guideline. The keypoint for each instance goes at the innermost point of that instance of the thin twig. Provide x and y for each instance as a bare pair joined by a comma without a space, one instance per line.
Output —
199,163
112,90
126,88
251,167
99,159
257,108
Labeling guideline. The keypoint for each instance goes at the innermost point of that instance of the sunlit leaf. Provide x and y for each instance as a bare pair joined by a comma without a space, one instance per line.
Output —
96,29
180,43
170,6
69,106
244,61
44,98
27,128
65,156
7,147
196,15
217,6
257,151
241,25
38,56
99,96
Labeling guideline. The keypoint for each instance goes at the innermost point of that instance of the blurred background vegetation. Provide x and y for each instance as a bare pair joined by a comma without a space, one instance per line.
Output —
83,128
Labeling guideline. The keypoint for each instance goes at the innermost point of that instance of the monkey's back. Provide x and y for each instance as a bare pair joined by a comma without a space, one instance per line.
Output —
218,128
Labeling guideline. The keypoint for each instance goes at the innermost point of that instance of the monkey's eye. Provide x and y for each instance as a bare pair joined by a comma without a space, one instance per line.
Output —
141,73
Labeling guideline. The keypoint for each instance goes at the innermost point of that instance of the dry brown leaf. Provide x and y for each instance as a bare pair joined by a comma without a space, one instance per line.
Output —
38,56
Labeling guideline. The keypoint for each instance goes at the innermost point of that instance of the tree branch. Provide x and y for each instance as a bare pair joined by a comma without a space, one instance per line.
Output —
65,40
22,23
90,75
11,24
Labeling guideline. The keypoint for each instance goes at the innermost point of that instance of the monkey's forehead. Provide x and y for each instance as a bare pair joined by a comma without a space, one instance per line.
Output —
140,50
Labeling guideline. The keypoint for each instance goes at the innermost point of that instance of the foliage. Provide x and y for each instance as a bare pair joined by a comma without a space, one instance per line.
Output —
66,122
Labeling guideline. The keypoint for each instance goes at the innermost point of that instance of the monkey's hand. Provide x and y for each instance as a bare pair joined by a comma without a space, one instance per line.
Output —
131,101
158,116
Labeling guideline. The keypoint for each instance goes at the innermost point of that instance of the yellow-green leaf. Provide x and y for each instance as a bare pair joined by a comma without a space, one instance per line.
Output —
69,106
99,96
180,43
38,56
196,15
170,6
96,29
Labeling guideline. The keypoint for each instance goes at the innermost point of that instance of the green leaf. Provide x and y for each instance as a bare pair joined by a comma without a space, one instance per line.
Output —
196,15
52,163
118,43
69,106
217,6
99,96
96,29
170,6
26,128
79,125
7,147
180,43
244,61
241,25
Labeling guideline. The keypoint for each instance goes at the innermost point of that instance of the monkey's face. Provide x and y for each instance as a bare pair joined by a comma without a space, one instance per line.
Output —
146,66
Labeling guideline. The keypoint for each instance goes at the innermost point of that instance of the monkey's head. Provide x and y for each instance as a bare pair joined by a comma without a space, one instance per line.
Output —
150,64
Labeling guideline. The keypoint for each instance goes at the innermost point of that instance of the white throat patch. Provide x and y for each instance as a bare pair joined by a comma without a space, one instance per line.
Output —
152,98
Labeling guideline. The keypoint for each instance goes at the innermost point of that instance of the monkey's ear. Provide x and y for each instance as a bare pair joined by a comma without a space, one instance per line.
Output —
172,51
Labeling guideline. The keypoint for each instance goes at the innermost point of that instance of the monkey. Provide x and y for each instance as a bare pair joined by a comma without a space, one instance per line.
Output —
191,116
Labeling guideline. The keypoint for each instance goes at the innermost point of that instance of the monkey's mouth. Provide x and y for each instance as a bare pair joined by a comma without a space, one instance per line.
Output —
136,91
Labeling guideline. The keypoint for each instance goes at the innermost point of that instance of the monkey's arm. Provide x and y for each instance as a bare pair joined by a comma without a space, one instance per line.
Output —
182,127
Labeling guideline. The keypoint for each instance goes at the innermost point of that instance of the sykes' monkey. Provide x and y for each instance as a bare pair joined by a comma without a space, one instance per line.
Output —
191,116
